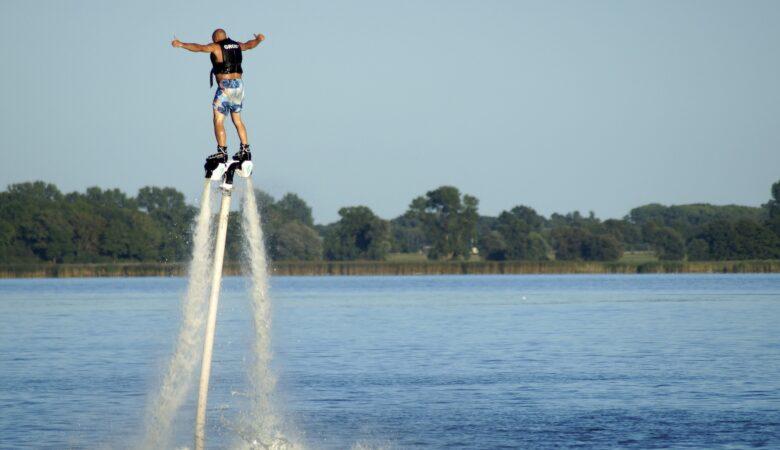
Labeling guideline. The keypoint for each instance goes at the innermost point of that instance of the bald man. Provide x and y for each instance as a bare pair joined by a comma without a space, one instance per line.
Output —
229,98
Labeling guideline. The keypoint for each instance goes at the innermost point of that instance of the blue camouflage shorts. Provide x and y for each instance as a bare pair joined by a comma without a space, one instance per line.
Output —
229,97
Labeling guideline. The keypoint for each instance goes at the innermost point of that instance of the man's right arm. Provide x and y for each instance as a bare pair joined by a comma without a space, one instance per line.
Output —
208,48
252,43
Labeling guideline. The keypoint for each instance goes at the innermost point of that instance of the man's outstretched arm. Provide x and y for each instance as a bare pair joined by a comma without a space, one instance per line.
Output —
208,48
250,44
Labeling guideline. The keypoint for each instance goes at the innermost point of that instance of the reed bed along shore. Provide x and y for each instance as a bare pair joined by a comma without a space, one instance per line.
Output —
364,268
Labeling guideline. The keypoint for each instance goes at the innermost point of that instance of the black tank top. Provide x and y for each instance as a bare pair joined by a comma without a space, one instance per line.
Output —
231,59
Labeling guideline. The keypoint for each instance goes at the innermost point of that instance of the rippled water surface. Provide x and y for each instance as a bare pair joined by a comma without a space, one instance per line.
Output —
427,362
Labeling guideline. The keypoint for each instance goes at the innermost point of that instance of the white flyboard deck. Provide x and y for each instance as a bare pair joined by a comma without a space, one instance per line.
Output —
243,169
218,172
240,168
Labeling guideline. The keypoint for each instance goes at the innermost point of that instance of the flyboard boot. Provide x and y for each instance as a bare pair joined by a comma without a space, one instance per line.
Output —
216,164
241,164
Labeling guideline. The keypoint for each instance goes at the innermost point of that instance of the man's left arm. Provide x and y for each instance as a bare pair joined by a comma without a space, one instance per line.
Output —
249,45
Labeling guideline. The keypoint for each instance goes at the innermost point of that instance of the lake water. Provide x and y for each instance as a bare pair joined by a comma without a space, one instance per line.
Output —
417,362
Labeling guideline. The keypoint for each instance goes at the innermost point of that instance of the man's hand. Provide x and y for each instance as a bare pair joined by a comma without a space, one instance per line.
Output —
259,37
176,43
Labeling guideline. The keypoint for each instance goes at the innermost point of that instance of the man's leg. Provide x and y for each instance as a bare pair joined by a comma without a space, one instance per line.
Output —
220,157
244,153
219,128
240,128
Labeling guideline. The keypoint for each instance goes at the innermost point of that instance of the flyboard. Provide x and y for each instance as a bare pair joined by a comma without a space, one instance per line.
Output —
224,173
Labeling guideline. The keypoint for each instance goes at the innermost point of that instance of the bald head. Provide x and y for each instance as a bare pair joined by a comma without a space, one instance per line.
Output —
218,35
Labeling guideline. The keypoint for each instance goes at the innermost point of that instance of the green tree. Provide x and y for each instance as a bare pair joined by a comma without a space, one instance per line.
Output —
110,198
288,227
129,235
745,239
492,246
291,207
167,207
49,236
688,220
521,243
7,238
408,234
449,221
719,236
754,240
773,209
87,228
629,234
514,231
529,216
568,242
35,192
537,248
574,243
601,248
41,224
265,207
296,241
359,234
698,250
573,219
668,244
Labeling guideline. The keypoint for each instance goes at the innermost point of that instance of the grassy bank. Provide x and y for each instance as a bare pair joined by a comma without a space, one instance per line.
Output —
395,268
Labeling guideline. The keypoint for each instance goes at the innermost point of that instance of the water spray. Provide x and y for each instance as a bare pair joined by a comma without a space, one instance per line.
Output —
205,275
178,378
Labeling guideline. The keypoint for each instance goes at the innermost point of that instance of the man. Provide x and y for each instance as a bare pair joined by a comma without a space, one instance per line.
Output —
226,68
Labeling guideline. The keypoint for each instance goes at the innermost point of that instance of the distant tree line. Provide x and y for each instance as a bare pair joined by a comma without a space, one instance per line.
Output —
38,223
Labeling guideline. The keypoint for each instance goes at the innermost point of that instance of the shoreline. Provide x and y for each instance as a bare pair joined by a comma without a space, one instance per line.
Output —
374,268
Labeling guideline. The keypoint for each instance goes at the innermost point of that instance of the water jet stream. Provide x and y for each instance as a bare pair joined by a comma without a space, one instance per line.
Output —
261,378
178,376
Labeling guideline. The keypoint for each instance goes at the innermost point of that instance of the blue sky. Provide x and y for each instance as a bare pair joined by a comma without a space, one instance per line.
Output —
559,105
